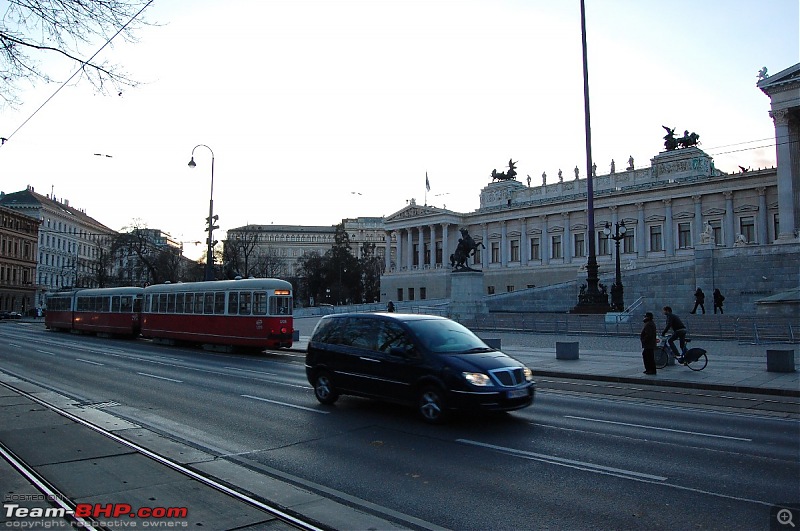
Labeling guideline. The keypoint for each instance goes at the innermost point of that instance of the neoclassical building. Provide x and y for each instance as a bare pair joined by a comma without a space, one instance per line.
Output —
70,242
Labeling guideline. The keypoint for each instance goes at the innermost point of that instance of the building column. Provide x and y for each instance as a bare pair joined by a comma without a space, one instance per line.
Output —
641,237
730,231
669,230
410,245
504,251
788,178
486,248
544,245
566,242
421,246
433,246
387,259
524,244
763,227
698,219
445,244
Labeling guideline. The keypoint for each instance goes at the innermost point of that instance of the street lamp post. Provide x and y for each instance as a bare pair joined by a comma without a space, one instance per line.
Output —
209,275
617,302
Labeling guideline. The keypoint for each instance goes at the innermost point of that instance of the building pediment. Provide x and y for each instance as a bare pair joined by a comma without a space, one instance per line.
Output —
784,79
415,211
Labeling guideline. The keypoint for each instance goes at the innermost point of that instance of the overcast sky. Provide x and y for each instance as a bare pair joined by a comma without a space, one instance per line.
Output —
322,110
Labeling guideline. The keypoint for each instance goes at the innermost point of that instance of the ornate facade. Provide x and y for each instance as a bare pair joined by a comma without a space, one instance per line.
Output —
18,250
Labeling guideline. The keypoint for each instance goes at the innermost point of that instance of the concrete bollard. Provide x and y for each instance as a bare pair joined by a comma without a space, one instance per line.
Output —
566,350
780,360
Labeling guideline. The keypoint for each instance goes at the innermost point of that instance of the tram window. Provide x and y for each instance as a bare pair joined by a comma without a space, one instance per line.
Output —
171,303
280,306
244,302
209,303
259,303
137,304
125,304
233,302
115,303
147,299
97,304
162,303
198,303
189,308
219,303
179,302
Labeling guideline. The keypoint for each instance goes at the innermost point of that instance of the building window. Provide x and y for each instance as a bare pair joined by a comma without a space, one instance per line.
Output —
423,293
476,258
684,235
495,252
776,225
556,246
399,294
747,226
535,255
515,250
490,290
580,244
438,253
411,294
629,242
656,243
602,244
716,231
509,288
415,255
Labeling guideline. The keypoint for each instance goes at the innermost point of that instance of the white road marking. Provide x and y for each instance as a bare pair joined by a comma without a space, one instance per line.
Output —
252,371
159,377
285,404
90,362
570,463
659,428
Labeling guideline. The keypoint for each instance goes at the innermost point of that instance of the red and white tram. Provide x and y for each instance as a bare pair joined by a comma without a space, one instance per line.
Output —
110,311
253,313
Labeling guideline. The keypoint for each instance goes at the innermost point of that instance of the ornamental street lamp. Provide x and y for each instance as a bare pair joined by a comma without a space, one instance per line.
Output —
617,303
209,275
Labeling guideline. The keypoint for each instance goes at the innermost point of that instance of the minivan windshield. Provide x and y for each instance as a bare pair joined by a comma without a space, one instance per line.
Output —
446,336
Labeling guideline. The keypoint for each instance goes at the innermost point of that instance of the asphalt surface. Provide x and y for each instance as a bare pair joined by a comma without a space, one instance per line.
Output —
114,480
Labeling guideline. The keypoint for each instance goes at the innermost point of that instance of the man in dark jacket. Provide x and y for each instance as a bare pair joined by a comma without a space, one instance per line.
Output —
678,332
649,343
699,300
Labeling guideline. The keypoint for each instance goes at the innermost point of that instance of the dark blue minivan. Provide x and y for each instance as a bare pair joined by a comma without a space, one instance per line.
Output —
431,362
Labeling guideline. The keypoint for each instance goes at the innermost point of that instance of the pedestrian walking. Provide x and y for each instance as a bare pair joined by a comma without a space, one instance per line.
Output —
390,307
699,300
678,333
649,340
718,299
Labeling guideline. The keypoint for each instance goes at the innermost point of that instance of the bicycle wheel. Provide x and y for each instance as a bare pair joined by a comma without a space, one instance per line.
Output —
662,358
699,364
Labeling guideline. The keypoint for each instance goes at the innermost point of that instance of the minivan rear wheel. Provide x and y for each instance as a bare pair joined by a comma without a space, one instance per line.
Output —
431,405
324,390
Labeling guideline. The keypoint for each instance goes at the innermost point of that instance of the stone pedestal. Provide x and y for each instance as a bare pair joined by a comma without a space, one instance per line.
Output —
466,295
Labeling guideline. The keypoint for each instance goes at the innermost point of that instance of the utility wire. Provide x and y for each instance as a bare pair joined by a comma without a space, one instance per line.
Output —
64,84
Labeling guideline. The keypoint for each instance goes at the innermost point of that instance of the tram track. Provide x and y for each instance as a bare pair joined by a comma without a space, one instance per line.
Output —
66,503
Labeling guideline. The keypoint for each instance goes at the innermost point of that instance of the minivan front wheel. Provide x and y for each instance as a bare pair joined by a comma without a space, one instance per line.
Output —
431,405
324,390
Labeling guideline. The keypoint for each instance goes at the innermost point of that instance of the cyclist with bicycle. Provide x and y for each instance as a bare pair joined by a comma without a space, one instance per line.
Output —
678,333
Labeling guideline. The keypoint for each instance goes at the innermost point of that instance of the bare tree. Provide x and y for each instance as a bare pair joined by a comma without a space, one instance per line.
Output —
31,30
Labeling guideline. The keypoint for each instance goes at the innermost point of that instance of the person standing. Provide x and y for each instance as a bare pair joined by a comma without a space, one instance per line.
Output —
718,298
390,307
678,333
649,343
699,300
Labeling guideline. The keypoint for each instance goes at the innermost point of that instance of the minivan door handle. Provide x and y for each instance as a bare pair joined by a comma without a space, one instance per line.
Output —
373,360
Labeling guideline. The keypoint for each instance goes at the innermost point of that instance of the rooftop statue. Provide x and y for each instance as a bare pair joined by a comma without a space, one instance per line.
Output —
687,140
670,143
510,175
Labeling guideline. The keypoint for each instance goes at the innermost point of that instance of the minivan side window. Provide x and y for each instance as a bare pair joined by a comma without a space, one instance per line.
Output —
327,331
362,333
393,335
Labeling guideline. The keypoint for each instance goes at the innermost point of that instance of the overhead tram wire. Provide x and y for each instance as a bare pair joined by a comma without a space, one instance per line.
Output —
64,84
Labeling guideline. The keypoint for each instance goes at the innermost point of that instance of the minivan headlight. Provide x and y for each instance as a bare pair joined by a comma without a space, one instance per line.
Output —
477,378
528,374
